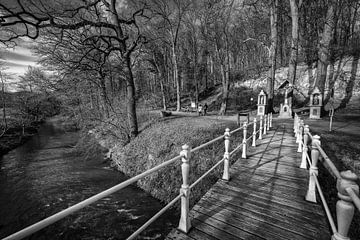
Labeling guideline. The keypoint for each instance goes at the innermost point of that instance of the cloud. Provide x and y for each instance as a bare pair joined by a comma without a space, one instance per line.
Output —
17,60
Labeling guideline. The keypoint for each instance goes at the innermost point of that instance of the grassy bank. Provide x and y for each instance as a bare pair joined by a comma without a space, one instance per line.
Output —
162,141
14,137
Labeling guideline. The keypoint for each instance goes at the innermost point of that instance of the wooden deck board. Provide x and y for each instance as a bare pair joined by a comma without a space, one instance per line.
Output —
264,198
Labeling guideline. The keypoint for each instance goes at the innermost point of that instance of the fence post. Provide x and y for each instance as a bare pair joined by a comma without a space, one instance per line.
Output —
305,147
184,224
344,206
244,141
295,123
265,125
301,129
311,194
261,127
271,119
254,134
226,175
268,122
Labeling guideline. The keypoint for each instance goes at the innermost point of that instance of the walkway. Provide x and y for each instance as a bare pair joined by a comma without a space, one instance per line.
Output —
263,200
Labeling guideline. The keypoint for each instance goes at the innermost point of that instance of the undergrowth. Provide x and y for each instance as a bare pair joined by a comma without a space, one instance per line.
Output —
162,141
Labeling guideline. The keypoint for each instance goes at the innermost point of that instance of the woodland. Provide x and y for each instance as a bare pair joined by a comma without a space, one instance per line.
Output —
104,61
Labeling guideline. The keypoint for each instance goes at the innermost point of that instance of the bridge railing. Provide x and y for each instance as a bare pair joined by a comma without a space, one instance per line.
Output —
348,190
265,123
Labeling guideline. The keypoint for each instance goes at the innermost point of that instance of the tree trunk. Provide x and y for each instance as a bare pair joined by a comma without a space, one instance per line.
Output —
294,41
104,97
324,50
272,55
163,94
225,71
176,79
311,78
3,101
130,84
131,103
350,85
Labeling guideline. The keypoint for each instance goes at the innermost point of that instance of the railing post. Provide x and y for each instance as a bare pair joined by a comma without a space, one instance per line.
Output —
254,134
265,125
311,193
305,147
226,175
184,224
268,122
271,119
244,141
301,129
344,206
261,127
295,124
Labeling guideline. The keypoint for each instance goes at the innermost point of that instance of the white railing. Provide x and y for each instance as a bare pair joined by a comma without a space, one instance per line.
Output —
265,123
348,190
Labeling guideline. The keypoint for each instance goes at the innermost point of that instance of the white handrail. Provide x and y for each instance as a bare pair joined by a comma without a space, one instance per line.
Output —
346,185
236,130
66,212
205,174
326,207
329,162
151,220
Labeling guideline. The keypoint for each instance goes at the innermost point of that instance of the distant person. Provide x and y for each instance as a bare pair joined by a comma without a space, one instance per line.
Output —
200,109
205,108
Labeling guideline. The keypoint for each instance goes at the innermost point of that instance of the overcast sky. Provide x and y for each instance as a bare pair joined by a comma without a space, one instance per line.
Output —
17,60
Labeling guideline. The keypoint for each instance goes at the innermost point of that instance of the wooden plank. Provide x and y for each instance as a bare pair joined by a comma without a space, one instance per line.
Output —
296,204
297,216
277,179
290,172
265,215
237,171
219,229
248,224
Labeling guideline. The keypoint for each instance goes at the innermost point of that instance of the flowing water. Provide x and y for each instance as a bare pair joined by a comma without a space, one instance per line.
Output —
45,176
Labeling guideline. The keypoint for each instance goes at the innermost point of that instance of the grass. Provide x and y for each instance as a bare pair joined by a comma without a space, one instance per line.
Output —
162,141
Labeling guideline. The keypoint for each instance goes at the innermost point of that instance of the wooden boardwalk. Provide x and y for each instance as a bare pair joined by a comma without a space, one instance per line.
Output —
264,198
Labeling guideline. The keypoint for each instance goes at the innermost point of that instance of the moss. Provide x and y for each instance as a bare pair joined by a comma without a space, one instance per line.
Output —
162,141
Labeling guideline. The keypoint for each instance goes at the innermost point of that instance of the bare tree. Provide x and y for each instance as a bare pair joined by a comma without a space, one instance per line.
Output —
272,53
117,32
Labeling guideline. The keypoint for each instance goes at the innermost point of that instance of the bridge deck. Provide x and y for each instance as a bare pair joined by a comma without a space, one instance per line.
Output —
264,198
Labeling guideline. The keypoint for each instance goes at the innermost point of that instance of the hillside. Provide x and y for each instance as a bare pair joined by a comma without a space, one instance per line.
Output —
343,73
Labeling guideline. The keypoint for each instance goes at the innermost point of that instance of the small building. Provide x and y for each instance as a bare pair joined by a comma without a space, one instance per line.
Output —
315,104
262,103
285,108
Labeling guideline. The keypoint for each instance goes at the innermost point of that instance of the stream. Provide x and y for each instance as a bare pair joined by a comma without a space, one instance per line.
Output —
44,176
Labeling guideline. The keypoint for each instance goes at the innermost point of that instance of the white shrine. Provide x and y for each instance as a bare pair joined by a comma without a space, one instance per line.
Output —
262,102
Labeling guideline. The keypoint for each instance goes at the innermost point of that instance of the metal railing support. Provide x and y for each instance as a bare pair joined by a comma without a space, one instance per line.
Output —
301,130
271,119
226,175
254,134
268,122
305,147
344,206
311,194
244,141
260,127
185,224
265,124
